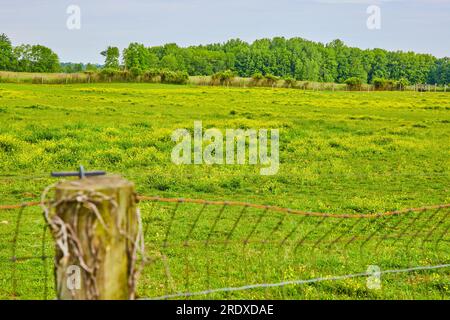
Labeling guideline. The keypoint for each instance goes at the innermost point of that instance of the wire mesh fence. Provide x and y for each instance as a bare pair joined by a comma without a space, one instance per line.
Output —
221,250
26,253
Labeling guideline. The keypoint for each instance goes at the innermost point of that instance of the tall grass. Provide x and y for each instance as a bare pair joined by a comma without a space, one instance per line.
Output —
250,82
175,77
104,76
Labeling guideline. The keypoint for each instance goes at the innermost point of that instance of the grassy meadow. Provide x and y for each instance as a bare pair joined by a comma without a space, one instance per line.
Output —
340,152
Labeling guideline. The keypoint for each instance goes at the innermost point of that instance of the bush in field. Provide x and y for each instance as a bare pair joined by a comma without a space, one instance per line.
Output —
108,73
151,75
257,78
378,83
125,75
384,84
389,84
136,72
289,82
353,83
174,77
224,77
270,79
402,84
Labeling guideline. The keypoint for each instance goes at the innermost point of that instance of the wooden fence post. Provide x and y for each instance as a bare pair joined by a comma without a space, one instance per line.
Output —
97,238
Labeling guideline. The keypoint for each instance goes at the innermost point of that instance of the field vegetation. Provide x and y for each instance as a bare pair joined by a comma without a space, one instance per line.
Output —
340,152
391,141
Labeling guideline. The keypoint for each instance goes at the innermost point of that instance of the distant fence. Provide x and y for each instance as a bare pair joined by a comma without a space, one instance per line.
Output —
220,250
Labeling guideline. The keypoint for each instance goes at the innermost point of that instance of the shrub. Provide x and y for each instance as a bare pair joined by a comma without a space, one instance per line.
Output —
224,77
124,75
271,80
353,83
108,73
174,77
383,84
378,83
290,82
402,84
257,77
151,75
136,72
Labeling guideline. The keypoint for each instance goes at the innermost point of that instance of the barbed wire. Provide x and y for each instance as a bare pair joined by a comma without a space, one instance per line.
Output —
258,206
287,210
20,205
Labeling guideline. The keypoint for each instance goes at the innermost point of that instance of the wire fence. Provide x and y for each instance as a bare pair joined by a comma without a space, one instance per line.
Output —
222,250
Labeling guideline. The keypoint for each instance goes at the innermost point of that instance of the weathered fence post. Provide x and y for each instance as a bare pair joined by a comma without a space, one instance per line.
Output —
96,226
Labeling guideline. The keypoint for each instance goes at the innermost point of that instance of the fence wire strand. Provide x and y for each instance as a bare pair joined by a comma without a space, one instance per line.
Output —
296,282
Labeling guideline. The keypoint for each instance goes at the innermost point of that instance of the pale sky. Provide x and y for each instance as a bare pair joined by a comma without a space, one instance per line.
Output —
417,25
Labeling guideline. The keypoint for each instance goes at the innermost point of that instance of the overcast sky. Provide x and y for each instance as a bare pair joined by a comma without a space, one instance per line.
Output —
418,25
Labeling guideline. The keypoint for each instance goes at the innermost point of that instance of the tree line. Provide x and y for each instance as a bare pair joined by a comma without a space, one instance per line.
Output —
294,58
27,58
35,58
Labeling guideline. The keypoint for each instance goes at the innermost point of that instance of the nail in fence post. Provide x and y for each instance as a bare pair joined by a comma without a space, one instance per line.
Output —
98,212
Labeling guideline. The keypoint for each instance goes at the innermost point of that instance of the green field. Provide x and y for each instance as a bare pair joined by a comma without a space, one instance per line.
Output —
340,152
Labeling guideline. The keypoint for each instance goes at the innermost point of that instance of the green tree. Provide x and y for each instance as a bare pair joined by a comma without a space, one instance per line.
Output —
170,62
7,61
43,59
22,54
72,67
36,58
91,67
379,63
112,55
138,56
440,72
